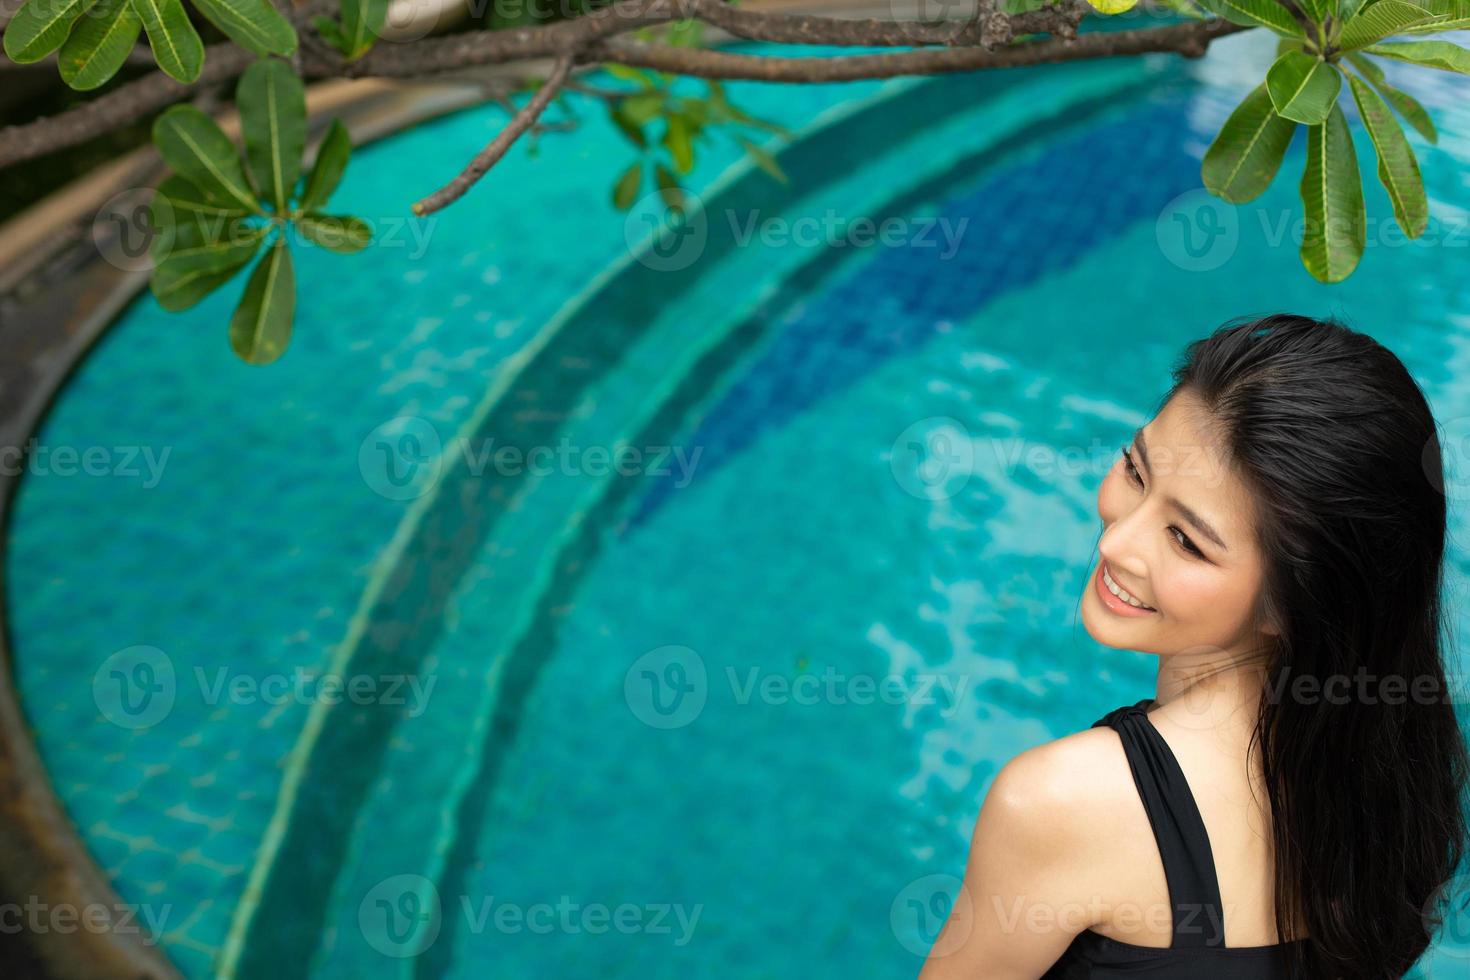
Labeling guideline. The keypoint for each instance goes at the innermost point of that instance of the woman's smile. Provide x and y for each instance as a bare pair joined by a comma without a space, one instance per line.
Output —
1115,598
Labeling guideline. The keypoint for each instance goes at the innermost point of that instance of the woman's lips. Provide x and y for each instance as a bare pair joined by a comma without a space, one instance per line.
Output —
1112,603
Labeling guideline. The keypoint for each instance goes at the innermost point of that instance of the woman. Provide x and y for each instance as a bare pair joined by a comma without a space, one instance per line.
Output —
1290,803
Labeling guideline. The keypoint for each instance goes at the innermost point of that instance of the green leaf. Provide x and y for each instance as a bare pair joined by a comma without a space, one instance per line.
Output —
178,202
625,192
1185,7
272,104
362,24
326,172
255,25
1431,54
194,146
628,74
633,131
40,27
331,32
642,107
199,258
763,158
669,189
1302,87
1332,195
1247,153
740,115
335,233
1449,15
209,247
1317,10
99,44
1384,19
175,293
1398,170
677,139
1257,13
261,326
1414,113
176,45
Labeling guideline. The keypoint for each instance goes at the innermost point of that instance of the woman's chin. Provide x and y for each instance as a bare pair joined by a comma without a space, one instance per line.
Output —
1109,629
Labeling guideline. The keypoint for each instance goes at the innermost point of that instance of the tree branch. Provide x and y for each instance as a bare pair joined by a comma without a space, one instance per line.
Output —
810,29
487,157
133,100
588,38
1189,39
117,108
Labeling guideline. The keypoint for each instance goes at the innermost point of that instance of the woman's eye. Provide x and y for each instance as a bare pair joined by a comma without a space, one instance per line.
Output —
1184,541
1130,469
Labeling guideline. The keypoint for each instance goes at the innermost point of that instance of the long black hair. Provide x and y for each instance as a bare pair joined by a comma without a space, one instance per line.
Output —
1366,777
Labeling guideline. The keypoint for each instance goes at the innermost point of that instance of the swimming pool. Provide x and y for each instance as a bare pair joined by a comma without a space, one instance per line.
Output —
732,714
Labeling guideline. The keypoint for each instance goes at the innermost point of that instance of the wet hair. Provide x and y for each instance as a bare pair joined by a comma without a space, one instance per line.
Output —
1367,792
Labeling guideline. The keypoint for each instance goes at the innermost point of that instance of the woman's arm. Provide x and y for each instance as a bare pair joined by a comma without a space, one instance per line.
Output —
1029,874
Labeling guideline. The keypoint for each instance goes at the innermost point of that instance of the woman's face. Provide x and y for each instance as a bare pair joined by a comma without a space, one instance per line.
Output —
1178,537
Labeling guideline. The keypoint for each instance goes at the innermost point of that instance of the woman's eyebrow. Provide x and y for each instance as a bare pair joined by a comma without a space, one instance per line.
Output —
1200,524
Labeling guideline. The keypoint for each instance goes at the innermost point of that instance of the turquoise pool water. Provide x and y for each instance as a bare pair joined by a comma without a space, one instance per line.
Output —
642,748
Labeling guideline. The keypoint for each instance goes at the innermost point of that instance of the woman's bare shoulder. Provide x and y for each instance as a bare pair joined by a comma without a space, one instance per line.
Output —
1075,792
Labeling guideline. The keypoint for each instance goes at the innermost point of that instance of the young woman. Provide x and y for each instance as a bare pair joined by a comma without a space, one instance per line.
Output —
1291,801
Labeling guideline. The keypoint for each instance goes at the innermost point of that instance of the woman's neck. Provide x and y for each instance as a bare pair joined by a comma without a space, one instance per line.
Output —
1211,687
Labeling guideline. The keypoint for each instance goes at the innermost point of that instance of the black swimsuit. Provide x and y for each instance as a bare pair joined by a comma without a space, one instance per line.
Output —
1198,950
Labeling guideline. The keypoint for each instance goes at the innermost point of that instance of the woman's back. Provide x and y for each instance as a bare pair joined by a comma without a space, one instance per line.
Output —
1172,913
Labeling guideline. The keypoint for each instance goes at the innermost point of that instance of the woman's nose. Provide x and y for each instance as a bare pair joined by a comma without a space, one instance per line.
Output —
1121,545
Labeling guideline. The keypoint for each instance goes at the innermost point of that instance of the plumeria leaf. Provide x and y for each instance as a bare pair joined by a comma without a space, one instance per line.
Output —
1302,87
99,44
677,138
763,159
176,45
40,27
1247,153
1384,19
326,172
362,24
1332,196
336,233
272,103
1257,13
1408,107
1449,15
669,189
625,191
255,25
1431,54
1398,170
261,326
194,146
